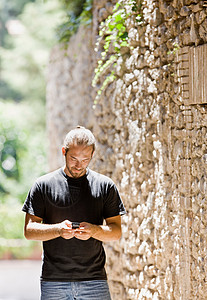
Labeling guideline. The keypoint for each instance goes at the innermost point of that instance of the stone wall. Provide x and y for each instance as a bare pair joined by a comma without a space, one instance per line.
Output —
152,139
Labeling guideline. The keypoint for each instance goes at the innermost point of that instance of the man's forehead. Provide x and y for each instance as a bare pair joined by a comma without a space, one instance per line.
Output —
74,148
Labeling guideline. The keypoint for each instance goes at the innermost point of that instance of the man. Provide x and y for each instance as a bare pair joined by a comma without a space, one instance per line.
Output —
74,258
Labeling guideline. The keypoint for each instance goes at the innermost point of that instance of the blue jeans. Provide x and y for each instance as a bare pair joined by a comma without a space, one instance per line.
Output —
81,290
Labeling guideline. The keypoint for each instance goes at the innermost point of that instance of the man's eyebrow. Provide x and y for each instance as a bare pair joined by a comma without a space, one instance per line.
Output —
73,156
86,158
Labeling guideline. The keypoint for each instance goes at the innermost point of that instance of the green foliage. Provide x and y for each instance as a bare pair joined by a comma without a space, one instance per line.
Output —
9,148
22,160
15,7
6,91
9,10
23,64
13,228
23,142
12,242
175,49
78,12
113,35
76,6
22,151
68,28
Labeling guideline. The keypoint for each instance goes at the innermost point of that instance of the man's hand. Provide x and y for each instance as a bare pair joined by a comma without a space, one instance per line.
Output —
65,230
85,231
105,233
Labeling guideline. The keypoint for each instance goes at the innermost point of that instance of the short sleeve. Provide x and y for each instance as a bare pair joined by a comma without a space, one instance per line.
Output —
113,205
34,203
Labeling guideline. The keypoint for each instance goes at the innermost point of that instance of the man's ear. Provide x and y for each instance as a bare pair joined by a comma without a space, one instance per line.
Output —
92,154
63,151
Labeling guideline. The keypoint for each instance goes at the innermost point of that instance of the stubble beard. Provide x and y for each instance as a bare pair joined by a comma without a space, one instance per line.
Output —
75,174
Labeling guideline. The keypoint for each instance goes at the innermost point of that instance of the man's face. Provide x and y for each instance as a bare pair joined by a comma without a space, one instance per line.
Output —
77,158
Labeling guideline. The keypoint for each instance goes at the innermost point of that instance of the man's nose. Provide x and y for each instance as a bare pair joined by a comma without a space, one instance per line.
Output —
78,163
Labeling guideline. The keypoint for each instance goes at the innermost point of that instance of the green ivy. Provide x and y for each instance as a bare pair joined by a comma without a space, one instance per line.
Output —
78,12
114,35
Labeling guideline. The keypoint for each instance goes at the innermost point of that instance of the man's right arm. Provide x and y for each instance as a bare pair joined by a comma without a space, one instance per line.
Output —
34,229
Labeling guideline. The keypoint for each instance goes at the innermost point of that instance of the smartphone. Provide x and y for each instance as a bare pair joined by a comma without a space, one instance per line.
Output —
75,225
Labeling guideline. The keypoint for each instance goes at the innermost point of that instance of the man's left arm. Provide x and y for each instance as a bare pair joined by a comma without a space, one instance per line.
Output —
105,233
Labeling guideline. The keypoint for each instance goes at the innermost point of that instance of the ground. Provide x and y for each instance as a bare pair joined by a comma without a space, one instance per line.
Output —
19,279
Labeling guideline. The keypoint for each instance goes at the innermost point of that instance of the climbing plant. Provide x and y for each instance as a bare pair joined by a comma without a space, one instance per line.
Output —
77,12
113,35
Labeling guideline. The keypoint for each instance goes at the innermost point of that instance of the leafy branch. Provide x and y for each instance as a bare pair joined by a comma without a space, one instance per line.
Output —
114,40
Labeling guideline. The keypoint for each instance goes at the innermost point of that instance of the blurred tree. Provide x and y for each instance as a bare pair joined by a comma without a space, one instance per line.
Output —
22,150
9,10
29,33
24,63
15,7
22,159
9,145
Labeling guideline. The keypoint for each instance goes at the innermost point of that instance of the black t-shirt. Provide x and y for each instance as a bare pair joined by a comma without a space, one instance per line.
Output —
56,197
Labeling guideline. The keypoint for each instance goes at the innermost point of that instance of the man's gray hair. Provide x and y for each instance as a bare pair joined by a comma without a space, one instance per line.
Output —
79,136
